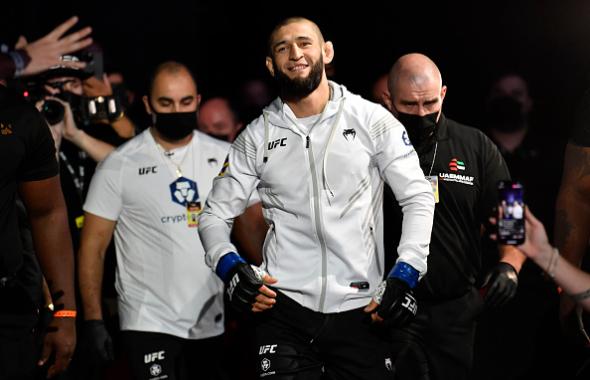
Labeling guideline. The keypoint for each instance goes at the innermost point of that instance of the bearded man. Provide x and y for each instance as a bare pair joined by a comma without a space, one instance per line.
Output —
318,156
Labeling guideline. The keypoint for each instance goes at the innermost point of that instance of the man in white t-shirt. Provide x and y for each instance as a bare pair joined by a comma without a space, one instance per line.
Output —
149,192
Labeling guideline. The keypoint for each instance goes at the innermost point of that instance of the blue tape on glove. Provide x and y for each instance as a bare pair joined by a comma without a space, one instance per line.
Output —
226,264
405,272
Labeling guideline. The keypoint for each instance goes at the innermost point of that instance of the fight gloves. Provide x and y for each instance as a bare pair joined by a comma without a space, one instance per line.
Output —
243,280
397,304
500,285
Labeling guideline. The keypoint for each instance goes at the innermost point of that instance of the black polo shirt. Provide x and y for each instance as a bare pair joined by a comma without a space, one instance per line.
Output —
580,134
468,167
27,153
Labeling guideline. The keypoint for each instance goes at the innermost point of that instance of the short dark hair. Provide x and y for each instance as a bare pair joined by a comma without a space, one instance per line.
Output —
287,21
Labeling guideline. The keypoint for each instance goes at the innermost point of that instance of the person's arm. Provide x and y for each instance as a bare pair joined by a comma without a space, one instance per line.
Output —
47,51
501,282
400,167
97,149
572,214
228,199
511,255
575,282
398,163
124,127
572,280
95,238
249,232
103,206
94,87
53,246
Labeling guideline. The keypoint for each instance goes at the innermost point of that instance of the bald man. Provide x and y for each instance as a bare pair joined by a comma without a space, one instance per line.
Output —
149,194
217,119
463,166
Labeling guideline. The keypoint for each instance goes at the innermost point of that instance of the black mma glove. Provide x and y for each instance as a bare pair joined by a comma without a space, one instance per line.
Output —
243,280
98,342
500,285
397,304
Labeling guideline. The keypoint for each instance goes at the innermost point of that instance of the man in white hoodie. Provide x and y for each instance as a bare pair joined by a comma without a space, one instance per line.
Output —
318,156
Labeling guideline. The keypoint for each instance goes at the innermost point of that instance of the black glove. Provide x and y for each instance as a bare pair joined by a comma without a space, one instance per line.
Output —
501,284
99,344
242,289
243,280
397,304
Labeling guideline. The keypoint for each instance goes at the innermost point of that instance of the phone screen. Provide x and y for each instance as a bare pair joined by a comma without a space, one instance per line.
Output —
510,213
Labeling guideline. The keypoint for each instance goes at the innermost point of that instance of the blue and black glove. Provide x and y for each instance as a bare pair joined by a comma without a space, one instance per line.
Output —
243,280
397,304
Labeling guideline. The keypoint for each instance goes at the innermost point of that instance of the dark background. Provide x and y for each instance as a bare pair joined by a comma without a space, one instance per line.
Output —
548,42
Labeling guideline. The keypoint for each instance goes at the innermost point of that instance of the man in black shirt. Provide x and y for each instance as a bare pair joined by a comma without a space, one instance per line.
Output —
464,167
29,166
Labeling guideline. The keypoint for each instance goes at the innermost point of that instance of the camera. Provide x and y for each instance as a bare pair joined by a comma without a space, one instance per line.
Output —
86,110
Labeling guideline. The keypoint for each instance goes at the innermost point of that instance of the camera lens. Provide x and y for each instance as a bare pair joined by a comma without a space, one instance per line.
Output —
53,111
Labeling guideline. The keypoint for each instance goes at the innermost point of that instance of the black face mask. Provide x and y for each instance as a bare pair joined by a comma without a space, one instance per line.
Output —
421,129
175,126
505,114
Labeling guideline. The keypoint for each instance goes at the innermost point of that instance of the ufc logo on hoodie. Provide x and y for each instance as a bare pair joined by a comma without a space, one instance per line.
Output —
276,143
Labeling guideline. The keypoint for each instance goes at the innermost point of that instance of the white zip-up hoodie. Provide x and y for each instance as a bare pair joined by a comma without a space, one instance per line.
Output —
325,242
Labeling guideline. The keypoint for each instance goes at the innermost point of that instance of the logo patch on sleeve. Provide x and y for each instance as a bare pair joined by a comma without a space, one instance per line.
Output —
224,167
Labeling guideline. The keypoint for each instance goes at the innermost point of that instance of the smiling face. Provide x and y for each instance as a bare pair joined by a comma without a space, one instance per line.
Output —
297,57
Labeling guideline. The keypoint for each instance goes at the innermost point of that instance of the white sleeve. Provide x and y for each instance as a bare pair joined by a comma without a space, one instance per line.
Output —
104,196
254,197
400,167
232,191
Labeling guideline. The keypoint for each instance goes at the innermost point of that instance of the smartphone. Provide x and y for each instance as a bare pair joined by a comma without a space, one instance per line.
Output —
510,213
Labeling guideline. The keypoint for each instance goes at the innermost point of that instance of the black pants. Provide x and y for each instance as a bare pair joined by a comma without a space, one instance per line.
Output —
155,356
438,343
296,343
18,346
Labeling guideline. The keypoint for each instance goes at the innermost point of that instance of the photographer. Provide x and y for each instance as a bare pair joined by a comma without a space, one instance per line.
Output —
84,133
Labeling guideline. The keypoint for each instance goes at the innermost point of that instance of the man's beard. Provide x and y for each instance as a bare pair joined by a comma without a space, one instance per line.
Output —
294,89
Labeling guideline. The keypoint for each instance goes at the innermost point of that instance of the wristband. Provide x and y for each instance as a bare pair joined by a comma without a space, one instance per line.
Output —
21,59
227,263
65,314
406,273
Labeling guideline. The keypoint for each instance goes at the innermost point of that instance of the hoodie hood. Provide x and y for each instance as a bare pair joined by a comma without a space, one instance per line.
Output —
279,113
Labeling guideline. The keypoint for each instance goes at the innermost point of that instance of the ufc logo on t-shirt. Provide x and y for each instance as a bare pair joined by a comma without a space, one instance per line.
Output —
153,356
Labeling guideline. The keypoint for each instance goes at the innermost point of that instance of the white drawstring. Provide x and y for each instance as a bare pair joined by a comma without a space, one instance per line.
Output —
332,132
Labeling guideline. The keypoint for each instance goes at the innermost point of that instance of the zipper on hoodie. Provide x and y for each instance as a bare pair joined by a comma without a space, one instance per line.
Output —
318,221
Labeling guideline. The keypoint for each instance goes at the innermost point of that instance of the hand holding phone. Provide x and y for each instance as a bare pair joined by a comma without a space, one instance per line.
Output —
511,229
